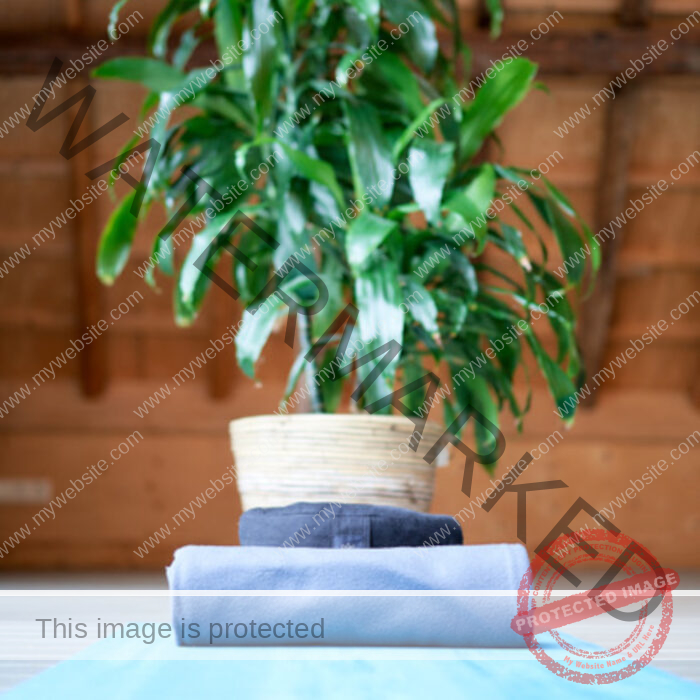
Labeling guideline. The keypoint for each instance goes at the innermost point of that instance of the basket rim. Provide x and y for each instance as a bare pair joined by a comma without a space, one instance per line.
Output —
328,418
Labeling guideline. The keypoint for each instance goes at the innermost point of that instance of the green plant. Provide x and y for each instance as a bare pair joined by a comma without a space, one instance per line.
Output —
315,97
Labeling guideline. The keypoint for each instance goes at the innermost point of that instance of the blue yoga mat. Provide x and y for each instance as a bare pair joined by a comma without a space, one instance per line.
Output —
120,670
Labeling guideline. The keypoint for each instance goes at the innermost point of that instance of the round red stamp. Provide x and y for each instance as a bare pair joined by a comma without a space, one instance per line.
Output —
561,591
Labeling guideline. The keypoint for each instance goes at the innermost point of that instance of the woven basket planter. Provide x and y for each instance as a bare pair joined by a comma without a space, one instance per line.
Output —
343,458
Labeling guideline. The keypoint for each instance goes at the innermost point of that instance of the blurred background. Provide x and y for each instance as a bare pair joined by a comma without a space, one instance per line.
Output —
164,457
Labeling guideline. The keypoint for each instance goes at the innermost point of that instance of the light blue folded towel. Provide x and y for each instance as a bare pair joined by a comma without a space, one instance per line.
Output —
375,620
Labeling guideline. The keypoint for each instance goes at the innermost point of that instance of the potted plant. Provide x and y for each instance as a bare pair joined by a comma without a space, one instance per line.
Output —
333,144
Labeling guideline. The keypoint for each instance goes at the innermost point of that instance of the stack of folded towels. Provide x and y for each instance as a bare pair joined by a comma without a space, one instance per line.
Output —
314,551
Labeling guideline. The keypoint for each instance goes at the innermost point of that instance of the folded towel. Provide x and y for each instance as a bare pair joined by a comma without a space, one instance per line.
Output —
362,620
333,525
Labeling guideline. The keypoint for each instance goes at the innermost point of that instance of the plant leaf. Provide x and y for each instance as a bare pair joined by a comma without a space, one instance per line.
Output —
260,61
396,80
115,244
254,332
370,155
293,379
228,31
156,75
496,11
290,230
380,319
163,253
121,158
368,11
560,198
409,133
560,386
466,270
293,11
421,39
567,236
513,244
473,201
331,275
423,308
160,29
365,234
499,94
225,107
412,371
205,8
431,163
256,328
193,283
475,393
331,387
183,53
568,208
114,16
315,170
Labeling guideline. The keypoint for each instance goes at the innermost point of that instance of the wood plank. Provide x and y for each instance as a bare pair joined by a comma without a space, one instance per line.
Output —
694,386
664,364
41,15
622,115
565,6
483,16
137,494
73,12
666,235
23,353
624,415
159,476
222,370
19,143
567,53
32,167
598,8
41,295
91,309
40,292
654,296
636,13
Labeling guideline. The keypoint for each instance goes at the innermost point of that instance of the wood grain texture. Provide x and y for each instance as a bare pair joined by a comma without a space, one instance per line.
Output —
142,491
636,13
74,14
694,386
223,368
621,120
91,307
608,51
649,407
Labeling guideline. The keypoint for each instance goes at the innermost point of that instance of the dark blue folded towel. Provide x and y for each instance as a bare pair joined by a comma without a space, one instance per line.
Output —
336,525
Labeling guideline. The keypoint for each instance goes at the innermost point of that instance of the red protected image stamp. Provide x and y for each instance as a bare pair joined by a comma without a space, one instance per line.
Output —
632,589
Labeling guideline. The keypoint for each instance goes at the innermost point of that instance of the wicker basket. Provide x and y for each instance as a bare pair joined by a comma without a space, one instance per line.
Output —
343,458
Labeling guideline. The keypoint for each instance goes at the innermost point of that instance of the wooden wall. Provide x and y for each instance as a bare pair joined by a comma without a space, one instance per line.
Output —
57,432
